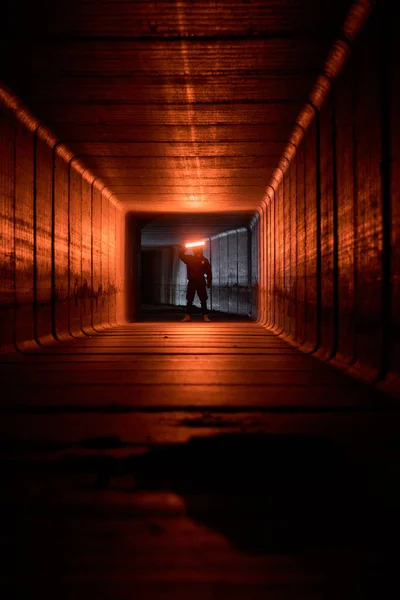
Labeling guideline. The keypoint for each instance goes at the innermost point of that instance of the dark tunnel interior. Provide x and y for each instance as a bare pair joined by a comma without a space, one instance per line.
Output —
246,446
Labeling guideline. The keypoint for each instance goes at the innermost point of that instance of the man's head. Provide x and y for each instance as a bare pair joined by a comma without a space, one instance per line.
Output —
198,251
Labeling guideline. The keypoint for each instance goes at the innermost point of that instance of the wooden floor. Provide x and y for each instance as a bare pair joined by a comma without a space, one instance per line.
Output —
194,461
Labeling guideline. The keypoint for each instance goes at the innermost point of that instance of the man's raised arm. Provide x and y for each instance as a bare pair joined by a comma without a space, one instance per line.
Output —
182,255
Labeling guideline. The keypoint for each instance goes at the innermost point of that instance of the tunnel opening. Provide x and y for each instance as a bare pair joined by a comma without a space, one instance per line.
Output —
157,278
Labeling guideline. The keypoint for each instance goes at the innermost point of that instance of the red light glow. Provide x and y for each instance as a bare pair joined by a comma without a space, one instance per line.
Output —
194,244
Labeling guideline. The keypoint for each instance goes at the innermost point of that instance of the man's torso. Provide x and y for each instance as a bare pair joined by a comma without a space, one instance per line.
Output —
197,267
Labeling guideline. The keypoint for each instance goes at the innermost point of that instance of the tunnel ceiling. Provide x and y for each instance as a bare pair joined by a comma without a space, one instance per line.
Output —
181,105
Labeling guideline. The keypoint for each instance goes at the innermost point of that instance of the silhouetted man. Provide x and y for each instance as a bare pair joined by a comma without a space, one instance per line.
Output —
198,267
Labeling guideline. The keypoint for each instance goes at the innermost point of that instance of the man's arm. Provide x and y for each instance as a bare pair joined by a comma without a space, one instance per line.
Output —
182,255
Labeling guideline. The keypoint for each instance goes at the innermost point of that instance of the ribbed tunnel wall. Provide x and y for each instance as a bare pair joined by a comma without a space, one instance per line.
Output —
331,225
234,261
319,265
61,239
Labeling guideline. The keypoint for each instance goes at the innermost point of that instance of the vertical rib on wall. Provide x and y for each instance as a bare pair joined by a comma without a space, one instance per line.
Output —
75,249
7,248
333,226
120,250
96,275
86,282
346,211
42,239
260,312
52,230
23,235
61,247
390,74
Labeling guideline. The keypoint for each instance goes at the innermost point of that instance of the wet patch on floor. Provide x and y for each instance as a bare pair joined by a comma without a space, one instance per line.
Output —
264,493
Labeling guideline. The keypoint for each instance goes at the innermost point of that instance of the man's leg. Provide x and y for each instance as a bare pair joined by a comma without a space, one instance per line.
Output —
191,290
202,293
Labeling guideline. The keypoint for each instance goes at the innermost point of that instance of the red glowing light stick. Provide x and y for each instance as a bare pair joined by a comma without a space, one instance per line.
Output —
194,244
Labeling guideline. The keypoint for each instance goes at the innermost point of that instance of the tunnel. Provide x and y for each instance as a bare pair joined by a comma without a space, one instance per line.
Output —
252,452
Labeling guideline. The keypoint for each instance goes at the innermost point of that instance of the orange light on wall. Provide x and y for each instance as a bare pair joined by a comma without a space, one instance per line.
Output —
194,244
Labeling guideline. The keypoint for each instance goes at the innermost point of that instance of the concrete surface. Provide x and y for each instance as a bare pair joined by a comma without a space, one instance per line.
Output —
202,460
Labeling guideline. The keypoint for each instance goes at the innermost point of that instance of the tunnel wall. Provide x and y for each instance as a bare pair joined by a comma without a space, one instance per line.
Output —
231,290
158,281
60,240
233,256
333,222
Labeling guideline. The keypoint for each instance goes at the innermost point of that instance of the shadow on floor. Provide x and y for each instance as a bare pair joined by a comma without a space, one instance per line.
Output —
266,493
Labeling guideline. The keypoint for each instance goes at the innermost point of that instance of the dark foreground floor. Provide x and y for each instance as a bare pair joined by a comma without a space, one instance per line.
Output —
194,461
